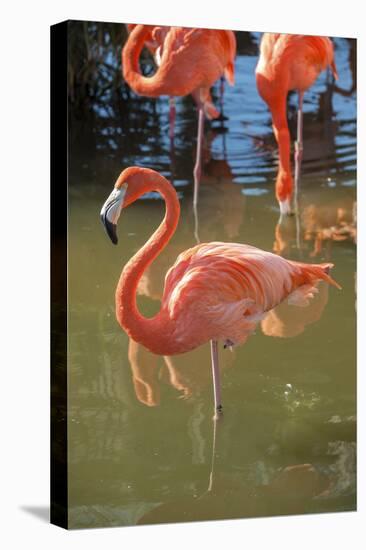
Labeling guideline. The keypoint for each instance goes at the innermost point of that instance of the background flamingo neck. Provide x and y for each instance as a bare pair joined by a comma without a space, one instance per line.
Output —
142,330
130,63
284,182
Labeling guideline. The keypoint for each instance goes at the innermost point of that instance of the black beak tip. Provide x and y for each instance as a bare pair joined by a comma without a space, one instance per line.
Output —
113,234
111,229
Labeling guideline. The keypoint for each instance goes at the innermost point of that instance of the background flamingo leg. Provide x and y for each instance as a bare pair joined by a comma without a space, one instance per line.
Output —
222,89
197,166
172,113
216,378
298,146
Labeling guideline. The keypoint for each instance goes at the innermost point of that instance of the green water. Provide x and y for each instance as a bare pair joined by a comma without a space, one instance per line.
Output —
141,435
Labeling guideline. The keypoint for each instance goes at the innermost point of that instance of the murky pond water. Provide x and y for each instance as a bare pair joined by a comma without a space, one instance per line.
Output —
142,447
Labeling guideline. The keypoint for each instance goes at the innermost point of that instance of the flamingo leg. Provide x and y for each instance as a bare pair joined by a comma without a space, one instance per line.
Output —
224,145
216,378
172,161
222,88
197,166
298,146
298,159
172,113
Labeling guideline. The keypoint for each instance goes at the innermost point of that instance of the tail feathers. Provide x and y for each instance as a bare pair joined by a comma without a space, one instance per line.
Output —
229,73
210,110
305,289
320,272
203,97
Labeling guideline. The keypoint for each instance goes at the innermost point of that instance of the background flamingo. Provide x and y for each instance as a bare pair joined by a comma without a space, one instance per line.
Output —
215,291
191,61
289,62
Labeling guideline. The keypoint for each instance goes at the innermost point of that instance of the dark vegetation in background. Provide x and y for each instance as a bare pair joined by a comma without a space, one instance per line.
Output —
93,62
101,105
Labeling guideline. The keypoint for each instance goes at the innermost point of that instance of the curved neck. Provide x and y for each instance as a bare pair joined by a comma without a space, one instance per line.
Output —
141,329
151,86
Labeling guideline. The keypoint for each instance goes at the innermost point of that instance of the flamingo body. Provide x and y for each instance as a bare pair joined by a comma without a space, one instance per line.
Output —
214,291
219,291
289,62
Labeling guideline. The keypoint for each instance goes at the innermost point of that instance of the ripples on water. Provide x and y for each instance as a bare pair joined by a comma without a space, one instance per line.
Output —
137,454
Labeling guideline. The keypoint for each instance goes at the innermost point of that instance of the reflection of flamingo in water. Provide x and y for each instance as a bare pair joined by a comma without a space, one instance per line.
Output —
191,61
149,375
289,490
223,203
324,220
289,62
288,321
215,291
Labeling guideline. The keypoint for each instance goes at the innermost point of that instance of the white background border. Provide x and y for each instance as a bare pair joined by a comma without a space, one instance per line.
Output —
24,351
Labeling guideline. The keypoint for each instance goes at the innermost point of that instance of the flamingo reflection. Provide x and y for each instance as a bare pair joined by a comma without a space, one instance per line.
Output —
325,219
288,321
223,205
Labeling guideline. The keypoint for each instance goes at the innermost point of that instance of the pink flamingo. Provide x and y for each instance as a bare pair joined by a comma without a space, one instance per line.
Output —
191,60
289,62
215,291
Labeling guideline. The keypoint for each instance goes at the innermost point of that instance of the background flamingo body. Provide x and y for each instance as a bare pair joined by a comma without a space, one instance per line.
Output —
289,62
191,61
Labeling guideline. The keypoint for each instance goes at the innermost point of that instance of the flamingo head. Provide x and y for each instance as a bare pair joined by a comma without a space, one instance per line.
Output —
284,187
130,185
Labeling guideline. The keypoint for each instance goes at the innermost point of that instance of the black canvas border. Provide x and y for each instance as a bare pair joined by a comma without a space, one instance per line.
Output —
59,207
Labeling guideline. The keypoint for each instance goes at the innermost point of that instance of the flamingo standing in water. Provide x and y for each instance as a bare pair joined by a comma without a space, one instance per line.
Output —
190,61
289,62
215,291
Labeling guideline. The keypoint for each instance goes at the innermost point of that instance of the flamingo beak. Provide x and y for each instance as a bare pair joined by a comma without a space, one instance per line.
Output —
285,208
111,211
